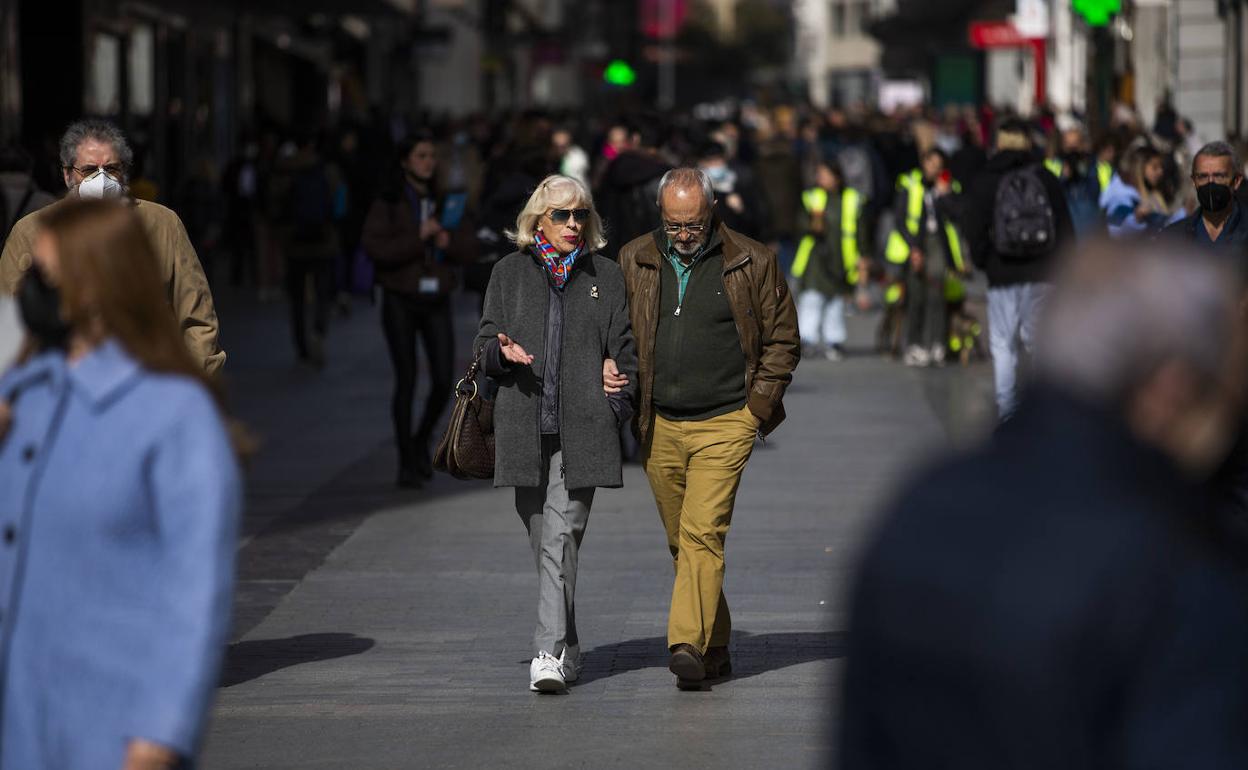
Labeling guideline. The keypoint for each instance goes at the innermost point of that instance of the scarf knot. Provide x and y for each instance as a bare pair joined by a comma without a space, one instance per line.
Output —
559,266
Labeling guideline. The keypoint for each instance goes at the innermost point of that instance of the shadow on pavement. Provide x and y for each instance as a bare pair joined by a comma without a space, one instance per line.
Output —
245,661
752,654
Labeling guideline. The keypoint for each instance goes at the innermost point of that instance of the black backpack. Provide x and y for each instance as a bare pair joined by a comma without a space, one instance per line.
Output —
1024,226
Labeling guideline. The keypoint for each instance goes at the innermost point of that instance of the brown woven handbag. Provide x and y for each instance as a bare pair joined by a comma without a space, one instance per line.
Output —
466,451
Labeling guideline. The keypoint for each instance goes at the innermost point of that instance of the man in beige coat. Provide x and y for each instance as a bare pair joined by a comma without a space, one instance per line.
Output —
95,159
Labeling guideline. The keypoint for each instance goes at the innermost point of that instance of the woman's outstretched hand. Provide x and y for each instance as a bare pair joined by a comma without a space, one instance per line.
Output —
512,351
613,381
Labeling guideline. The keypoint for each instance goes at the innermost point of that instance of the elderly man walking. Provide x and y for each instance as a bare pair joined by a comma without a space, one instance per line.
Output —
95,159
717,343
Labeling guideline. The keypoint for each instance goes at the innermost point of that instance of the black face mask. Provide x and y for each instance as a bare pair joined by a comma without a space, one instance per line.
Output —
40,306
1214,197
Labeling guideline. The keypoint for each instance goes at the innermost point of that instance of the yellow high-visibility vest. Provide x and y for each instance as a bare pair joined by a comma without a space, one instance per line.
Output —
816,199
897,250
1104,173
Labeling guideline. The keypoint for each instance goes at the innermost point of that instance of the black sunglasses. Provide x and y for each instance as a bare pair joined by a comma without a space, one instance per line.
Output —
560,216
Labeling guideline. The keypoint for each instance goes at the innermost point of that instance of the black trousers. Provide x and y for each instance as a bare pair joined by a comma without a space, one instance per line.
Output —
298,271
403,317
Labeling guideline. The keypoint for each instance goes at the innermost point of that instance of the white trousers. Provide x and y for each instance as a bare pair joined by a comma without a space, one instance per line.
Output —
821,319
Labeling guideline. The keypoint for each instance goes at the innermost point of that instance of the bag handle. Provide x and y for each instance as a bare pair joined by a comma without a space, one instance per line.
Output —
470,377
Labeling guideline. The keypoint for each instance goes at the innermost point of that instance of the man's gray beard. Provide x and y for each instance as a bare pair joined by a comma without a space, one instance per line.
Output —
688,249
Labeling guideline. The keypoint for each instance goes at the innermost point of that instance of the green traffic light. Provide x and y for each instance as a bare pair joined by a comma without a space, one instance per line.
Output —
1096,12
620,73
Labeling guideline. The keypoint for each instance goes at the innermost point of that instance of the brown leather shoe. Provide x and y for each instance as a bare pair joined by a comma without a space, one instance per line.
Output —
717,662
687,664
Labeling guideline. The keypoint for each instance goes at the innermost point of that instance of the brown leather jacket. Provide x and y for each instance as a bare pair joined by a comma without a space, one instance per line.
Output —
761,306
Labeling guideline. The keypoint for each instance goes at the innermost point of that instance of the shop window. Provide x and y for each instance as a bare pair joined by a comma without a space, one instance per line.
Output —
104,75
142,70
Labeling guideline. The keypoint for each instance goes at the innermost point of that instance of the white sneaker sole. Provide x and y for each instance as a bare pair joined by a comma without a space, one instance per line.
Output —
548,685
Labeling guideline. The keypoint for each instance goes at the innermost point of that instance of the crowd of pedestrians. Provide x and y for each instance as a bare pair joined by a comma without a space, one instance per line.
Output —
664,273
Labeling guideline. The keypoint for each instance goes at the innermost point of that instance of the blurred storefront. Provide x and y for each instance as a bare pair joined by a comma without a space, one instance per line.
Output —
187,79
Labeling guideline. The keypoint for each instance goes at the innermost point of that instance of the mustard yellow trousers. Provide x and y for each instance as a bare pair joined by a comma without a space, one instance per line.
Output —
694,470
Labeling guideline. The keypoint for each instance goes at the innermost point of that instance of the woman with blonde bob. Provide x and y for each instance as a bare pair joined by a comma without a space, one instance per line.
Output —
119,504
555,311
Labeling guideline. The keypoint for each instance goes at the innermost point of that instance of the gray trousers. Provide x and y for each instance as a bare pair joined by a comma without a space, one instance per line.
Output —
926,311
555,518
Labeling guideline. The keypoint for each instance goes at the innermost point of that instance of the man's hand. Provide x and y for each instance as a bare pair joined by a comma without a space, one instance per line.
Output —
862,298
916,259
613,381
512,351
442,240
6,419
429,228
145,755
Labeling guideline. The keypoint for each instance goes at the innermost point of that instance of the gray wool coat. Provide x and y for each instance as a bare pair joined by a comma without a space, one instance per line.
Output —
596,326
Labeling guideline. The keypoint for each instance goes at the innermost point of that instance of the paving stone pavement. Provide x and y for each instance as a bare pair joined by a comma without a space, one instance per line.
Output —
387,630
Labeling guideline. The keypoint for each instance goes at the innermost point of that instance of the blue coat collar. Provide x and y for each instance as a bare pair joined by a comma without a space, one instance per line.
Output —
99,376
104,372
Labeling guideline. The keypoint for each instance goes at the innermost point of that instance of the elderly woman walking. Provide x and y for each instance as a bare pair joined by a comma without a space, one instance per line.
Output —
554,312
119,502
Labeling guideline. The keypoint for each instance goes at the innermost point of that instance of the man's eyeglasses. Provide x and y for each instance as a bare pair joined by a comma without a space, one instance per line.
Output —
114,170
1203,179
561,216
672,228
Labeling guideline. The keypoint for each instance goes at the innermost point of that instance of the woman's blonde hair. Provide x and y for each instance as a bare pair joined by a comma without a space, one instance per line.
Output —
557,191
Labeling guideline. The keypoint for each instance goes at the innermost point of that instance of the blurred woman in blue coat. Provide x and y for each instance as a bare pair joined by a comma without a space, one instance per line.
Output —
119,505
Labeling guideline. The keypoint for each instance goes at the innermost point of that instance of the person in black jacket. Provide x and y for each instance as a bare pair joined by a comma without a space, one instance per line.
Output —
1053,598
630,186
1017,283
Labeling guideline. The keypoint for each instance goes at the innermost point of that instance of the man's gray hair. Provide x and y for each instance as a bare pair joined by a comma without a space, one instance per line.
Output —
99,130
686,178
1118,313
1219,150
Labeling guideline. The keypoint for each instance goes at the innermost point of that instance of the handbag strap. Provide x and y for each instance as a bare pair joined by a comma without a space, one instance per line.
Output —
470,377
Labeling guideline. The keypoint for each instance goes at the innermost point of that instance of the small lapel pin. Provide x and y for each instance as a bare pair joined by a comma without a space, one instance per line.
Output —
593,292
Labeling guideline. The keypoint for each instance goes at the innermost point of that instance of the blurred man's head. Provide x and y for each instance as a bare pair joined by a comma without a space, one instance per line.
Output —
828,175
1013,134
561,140
1074,141
686,200
933,162
617,141
1157,335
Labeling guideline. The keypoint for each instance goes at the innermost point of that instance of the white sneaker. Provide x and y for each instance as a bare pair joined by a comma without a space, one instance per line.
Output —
570,664
917,356
937,356
545,674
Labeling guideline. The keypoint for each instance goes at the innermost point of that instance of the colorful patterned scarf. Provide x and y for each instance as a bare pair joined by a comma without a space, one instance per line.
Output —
560,267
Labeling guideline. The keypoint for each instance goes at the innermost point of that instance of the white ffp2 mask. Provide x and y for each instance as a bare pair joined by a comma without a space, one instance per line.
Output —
100,185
